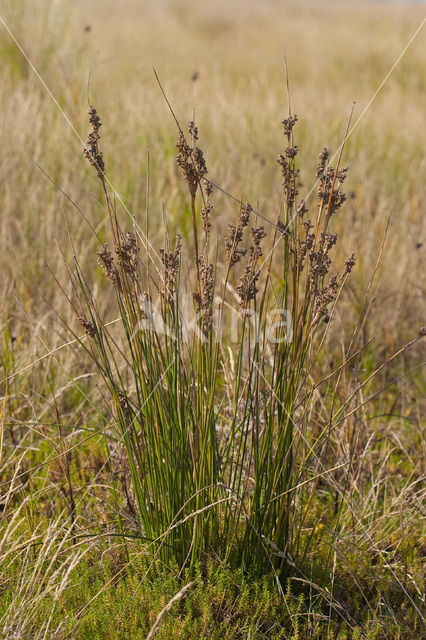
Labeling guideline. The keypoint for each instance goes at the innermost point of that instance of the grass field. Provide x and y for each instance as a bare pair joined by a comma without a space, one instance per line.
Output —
266,479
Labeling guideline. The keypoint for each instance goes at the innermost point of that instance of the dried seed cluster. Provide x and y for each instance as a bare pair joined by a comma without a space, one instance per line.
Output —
320,266
170,262
324,297
287,164
289,173
106,261
306,248
246,287
128,254
91,151
328,177
88,326
320,260
303,244
349,264
203,300
235,236
206,215
191,159
310,248
288,124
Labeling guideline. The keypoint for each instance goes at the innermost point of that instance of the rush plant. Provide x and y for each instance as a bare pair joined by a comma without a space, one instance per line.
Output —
216,428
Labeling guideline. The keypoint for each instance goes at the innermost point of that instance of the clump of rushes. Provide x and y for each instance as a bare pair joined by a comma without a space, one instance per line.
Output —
220,456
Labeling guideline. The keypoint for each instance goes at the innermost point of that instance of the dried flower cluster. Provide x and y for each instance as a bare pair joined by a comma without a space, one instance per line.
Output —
349,264
246,287
302,209
289,173
303,244
203,300
128,254
88,326
320,263
205,216
308,243
207,208
235,236
170,262
322,162
328,194
257,234
324,297
287,164
191,159
91,151
320,266
288,124
106,261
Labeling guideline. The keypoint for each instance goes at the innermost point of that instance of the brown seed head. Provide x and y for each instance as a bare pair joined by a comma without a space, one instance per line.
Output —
322,162
88,326
247,285
106,261
205,216
257,234
128,253
291,152
190,159
349,264
288,124
171,267
91,151
235,235
302,209
208,187
204,300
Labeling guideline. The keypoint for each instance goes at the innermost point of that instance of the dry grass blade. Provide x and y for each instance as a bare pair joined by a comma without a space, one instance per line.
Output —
180,594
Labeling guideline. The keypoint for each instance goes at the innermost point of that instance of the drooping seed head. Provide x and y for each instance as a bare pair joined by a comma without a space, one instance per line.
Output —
91,150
